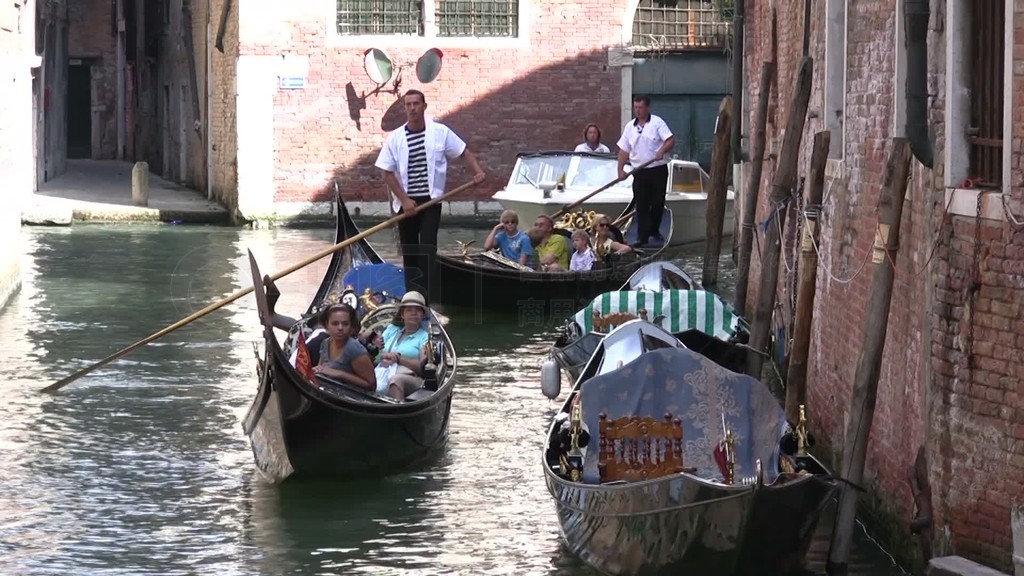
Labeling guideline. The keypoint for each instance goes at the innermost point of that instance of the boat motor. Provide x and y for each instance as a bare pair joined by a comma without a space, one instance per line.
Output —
550,379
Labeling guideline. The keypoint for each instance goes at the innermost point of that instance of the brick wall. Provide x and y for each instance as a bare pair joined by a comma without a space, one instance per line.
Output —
223,113
501,101
91,36
967,417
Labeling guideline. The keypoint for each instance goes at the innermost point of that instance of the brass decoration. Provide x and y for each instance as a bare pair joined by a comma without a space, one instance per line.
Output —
578,220
497,256
465,247
367,300
638,439
801,433
730,456
606,323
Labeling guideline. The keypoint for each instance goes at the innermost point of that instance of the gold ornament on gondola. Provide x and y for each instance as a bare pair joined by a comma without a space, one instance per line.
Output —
578,220
465,248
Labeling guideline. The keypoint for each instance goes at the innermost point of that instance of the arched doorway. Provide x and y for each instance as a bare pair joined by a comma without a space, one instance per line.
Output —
681,60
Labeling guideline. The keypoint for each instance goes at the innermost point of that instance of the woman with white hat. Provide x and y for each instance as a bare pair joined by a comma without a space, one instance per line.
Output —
404,347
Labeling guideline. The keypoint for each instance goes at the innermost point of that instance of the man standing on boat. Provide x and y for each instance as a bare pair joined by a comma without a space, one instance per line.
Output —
646,138
414,160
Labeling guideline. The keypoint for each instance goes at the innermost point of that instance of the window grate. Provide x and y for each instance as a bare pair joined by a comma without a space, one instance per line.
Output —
985,133
358,17
689,24
478,18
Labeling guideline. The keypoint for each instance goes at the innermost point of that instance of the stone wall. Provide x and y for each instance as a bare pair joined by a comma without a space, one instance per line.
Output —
965,412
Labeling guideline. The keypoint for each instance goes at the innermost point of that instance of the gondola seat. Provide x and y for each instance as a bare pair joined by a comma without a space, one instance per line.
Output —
634,448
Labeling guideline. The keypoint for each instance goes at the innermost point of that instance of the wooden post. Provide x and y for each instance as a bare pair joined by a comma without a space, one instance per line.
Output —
782,186
748,200
796,378
869,365
715,207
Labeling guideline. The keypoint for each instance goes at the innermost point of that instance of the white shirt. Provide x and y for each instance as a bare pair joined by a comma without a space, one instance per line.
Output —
601,149
441,144
643,143
584,261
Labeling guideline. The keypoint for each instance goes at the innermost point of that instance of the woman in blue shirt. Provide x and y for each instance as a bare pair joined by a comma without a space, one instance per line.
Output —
404,346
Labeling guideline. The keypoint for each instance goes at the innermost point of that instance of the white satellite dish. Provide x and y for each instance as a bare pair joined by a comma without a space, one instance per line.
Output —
378,65
429,65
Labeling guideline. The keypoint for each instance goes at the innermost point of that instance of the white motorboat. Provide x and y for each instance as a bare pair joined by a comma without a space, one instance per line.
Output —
546,182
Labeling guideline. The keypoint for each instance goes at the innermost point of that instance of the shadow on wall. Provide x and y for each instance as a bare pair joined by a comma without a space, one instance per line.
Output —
544,109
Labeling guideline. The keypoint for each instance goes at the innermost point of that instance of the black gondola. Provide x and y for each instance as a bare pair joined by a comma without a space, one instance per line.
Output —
493,283
702,320
328,428
662,462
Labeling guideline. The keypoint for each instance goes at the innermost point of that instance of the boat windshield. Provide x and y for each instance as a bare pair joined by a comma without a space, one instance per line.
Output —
535,170
596,172
689,177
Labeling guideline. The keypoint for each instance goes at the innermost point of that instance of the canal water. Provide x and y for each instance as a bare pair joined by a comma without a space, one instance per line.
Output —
141,467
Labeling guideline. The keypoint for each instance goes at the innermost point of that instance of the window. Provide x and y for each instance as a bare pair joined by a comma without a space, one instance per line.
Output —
430,18
985,72
384,17
835,75
673,24
478,18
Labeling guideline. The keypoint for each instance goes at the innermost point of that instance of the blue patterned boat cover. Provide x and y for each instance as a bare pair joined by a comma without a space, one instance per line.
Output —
683,310
383,277
699,392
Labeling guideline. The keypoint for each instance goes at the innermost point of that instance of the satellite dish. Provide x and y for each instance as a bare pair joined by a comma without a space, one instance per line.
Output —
429,66
377,65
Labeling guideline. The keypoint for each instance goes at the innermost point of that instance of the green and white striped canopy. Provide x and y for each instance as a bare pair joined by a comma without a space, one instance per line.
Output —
682,310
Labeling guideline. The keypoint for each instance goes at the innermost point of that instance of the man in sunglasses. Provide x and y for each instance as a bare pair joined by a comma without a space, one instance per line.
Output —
646,138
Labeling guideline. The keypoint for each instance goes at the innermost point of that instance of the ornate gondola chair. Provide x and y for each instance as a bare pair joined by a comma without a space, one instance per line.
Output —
634,448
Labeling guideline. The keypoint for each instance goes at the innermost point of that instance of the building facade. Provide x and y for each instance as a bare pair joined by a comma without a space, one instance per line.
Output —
17,62
952,377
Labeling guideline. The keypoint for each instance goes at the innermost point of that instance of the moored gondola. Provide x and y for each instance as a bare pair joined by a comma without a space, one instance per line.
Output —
662,462
488,282
664,294
322,427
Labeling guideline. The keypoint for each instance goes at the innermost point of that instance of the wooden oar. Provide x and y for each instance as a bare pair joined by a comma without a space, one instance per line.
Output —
568,208
220,303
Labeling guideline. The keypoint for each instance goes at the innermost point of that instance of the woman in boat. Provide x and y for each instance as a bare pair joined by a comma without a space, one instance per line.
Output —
592,141
342,357
604,243
399,363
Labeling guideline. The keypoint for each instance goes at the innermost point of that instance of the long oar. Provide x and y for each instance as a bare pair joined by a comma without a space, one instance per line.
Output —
199,314
568,208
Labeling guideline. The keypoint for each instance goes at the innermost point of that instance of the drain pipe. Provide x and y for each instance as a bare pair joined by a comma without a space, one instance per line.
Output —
916,14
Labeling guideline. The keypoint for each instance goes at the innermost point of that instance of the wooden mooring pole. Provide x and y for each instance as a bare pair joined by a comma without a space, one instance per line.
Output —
782,187
869,365
715,207
796,378
748,201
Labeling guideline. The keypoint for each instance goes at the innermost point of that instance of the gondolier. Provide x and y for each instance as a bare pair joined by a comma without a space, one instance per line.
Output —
646,138
414,160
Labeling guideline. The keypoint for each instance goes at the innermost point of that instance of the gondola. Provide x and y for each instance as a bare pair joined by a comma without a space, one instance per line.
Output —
665,294
662,462
328,428
490,282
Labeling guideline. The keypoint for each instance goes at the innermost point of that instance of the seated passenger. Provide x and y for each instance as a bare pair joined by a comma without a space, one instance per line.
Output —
552,249
583,257
342,357
404,346
514,244
604,243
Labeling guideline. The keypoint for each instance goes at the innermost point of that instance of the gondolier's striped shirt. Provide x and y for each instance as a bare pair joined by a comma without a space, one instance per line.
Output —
419,186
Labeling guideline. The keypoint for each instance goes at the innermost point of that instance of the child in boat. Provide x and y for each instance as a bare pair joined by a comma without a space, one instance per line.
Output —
342,357
506,235
583,257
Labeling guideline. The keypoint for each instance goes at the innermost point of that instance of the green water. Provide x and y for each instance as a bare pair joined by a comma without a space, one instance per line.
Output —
142,468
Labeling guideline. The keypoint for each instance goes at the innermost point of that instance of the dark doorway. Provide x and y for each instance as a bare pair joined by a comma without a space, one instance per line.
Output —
79,110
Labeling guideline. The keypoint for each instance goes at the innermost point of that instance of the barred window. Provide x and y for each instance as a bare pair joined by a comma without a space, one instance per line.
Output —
677,24
360,17
985,133
478,18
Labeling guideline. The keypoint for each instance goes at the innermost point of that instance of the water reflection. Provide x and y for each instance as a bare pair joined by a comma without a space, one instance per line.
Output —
141,467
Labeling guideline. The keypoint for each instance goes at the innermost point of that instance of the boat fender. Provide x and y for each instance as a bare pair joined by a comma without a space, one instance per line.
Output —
550,379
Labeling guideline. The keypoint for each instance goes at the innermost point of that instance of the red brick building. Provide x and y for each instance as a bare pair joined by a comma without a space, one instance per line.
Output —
952,377
516,76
